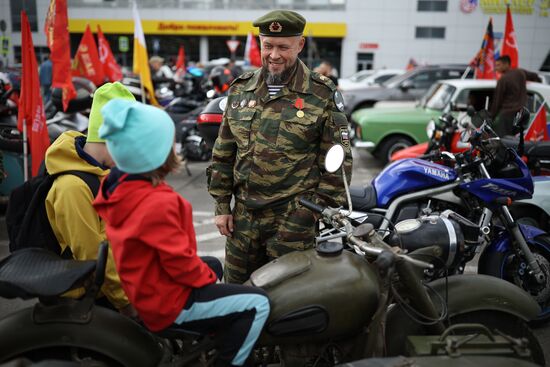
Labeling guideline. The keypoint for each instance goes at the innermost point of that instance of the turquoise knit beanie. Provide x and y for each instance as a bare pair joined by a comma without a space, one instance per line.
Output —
139,137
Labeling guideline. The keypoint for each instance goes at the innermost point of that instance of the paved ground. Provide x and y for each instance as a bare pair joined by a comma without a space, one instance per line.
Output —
193,188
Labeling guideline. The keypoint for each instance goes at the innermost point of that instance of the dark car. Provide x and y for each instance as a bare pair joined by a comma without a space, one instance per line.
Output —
407,87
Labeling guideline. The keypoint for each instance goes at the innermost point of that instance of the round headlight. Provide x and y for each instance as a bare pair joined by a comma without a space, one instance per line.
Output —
407,225
430,128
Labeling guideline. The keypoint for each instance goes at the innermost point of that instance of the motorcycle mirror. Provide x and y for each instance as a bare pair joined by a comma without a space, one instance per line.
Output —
334,159
210,94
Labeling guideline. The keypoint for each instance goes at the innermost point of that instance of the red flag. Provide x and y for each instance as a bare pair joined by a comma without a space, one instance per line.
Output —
252,51
509,43
485,68
111,68
180,63
31,108
86,61
56,28
538,131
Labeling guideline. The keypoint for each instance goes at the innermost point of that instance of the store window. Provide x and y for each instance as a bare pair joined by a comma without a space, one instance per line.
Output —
430,32
432,5
365,61
29,6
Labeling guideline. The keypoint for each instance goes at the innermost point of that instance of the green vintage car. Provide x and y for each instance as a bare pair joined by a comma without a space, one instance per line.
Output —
383,131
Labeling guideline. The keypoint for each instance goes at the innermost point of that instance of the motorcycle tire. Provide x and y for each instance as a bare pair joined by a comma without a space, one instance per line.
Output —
9,141
392,145
504,322
504,265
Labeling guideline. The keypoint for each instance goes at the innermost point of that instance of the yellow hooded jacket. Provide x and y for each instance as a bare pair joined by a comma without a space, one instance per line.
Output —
74,220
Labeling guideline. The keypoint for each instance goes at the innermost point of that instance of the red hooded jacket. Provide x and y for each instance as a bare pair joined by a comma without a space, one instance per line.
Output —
151,233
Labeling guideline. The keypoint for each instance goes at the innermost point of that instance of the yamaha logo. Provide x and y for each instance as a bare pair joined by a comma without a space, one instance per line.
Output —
436,172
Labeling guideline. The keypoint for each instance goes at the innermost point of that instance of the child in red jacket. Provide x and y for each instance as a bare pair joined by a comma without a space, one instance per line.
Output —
150,228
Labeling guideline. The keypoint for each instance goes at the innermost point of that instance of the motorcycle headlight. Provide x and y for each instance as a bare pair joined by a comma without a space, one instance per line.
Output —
430,128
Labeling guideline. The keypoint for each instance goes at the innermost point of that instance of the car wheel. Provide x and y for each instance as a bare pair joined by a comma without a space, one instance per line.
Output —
392,145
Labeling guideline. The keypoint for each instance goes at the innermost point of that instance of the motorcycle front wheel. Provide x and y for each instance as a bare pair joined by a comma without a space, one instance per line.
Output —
513,268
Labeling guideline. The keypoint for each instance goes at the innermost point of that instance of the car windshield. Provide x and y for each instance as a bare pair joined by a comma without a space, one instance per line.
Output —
361,75
396,80
439,97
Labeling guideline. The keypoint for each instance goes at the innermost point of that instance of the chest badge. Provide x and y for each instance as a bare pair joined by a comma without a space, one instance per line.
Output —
243,103
299,104
252,103
234,104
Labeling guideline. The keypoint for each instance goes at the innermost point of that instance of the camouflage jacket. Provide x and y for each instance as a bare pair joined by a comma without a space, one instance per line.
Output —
272,148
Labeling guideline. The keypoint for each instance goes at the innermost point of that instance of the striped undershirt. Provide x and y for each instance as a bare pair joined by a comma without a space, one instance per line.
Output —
274,89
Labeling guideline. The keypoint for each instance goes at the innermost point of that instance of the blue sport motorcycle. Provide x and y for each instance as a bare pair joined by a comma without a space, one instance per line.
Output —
475,188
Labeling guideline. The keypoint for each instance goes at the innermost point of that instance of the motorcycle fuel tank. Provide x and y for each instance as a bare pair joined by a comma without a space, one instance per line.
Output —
409,175
316,297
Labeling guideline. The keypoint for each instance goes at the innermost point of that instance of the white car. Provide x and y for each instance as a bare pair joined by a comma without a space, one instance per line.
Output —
366,78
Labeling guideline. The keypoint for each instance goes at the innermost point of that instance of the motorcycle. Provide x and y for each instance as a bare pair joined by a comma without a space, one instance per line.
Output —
328,306
484,182
444,135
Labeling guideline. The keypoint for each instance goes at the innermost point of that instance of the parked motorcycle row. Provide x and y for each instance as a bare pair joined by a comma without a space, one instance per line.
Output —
182,101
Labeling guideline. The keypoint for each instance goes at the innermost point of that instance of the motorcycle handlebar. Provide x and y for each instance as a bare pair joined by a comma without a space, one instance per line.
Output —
362,245
311,205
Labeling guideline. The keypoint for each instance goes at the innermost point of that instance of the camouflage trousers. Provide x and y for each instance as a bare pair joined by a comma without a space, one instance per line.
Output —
260,236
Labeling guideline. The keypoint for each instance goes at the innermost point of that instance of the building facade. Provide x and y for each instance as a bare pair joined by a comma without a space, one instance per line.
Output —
351,34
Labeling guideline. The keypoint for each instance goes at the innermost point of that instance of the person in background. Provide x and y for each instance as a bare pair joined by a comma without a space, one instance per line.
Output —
510,95
45,76
325,68
278,125
160,73
155,251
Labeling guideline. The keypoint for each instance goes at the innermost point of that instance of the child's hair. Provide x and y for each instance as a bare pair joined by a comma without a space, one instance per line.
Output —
172,164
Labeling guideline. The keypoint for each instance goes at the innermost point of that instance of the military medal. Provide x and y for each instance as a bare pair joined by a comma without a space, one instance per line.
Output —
243,103
234,104
252,103
299,105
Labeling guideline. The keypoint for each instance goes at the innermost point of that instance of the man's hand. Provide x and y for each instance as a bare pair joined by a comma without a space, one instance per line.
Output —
224,224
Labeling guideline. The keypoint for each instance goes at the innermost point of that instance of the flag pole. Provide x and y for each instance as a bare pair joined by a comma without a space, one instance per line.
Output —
143,99
25,152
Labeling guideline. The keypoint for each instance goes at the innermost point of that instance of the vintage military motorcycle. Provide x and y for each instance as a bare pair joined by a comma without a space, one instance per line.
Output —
328,306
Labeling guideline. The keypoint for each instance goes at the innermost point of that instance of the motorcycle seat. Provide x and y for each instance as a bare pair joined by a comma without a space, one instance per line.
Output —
539,150
363,198
511,142
36,272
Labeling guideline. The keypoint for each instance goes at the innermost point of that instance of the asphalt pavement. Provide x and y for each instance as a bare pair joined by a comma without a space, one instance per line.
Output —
209,241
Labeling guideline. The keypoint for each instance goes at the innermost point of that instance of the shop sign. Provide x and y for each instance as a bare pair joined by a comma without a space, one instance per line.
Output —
524,7
368,46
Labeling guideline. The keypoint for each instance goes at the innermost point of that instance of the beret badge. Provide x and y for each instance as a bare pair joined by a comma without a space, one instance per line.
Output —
275,27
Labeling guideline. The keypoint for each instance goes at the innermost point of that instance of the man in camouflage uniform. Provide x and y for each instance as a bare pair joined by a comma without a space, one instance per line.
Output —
278,124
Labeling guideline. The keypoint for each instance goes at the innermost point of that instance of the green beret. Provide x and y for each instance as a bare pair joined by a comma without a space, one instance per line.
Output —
281,23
